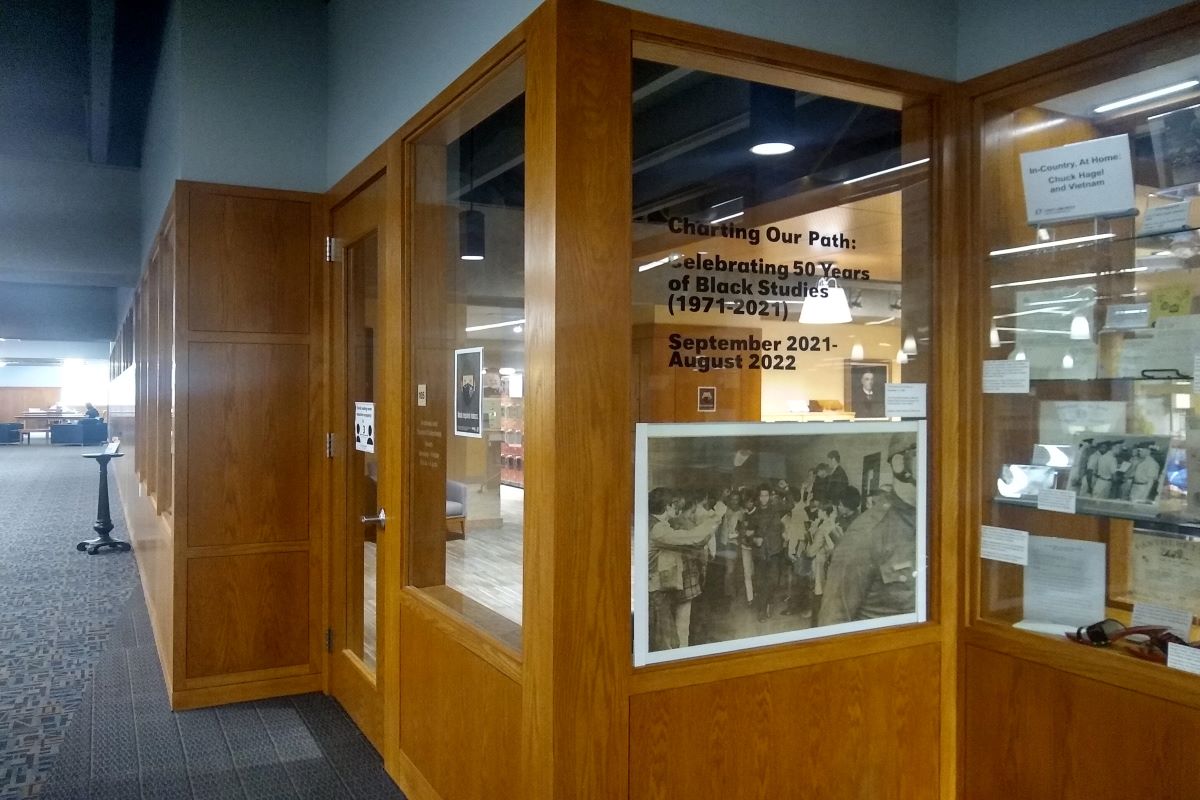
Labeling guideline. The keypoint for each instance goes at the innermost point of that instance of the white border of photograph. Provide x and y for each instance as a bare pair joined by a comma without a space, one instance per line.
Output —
642,655
455,382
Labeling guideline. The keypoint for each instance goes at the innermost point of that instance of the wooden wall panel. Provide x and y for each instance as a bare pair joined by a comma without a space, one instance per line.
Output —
247,612
248,443
249,263
460,722
19,399
1035,731
863,728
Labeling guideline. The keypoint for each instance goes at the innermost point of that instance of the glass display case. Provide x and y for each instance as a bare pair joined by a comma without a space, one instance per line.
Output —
1088,227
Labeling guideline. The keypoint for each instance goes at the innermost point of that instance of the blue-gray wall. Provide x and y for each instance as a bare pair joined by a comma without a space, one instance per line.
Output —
253,91
996,33
161,159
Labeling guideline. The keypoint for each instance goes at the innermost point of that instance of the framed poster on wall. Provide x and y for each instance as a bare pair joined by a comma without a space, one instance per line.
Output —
865,382
728,559
468,388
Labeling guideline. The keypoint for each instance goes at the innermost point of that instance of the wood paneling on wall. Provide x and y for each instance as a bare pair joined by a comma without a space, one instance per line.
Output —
865,727
19,399
228,334
1035,731
461,717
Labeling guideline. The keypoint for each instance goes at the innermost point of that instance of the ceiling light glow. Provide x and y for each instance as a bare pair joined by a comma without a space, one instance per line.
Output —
1138,98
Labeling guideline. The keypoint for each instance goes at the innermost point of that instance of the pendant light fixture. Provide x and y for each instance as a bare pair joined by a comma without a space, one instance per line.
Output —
771,112
1081,329
910,345
470,222
832,309
856,352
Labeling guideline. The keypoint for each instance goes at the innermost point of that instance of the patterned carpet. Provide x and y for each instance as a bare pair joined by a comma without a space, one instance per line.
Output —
58,606
80,720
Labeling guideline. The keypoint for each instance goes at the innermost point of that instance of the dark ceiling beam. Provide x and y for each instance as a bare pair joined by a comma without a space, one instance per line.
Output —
102,29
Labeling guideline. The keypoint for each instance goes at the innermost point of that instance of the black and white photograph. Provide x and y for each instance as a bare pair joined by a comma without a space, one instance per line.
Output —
1118,470
468,385
865,382
753,534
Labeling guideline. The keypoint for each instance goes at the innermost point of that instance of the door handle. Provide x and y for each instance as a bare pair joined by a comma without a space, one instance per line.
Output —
380,520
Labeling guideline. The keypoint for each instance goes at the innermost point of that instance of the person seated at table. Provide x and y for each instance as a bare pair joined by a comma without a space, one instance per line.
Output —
90,411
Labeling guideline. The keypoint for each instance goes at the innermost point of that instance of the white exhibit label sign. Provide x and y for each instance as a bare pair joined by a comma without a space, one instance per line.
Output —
364,427
1006,377
1180,656
1065,581
1167,219
422,395
1178,621
1060,500
1076,181
904,400
1004,544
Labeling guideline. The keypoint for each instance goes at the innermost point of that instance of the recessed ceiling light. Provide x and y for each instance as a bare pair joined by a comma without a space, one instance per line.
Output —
1138,98
772,148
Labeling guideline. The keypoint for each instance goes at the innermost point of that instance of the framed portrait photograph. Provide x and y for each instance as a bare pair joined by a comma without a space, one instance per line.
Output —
468,390
755,534
1119,473
865,382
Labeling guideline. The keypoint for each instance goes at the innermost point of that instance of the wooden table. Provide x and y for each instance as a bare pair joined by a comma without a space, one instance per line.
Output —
48,417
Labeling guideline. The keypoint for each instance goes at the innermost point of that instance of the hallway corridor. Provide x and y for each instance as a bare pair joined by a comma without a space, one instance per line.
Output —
83,708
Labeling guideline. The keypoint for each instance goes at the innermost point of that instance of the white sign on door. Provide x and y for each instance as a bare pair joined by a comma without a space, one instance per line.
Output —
364,427
1078,181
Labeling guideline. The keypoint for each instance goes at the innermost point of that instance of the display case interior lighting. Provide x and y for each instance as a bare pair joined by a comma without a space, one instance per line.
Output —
856,352
772,109
490,325
1081,329
667,259
1025,248
887,171
1144,96
832,309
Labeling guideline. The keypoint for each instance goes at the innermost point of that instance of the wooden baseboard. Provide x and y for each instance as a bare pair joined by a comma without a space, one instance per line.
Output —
241,692
410,779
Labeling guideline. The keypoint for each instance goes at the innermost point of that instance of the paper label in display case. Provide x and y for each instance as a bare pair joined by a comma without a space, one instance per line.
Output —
1078,181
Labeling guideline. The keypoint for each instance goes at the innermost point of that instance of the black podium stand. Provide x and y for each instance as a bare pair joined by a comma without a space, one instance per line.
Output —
103,525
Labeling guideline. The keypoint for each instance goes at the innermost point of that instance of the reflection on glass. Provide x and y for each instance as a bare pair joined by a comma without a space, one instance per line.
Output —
780,273
469,353
1089,225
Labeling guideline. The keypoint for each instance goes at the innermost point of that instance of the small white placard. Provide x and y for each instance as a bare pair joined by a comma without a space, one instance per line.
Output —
1076,181
1180,622
1006,377
1004,544
1166,219
1180,656
1064,581
1060,500
904,400
364,427
422,395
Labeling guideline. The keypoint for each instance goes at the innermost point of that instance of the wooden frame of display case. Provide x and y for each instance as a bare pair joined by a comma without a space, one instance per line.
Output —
1038,715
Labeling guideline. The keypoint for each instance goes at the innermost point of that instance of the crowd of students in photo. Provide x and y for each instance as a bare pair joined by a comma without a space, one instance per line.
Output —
767,546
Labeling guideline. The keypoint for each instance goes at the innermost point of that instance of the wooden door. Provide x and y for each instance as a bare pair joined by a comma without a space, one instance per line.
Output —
356,674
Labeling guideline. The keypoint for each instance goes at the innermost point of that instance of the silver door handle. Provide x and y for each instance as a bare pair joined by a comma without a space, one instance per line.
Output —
380,520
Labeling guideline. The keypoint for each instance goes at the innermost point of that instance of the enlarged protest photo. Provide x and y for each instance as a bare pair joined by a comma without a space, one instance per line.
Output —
754,534
1113,470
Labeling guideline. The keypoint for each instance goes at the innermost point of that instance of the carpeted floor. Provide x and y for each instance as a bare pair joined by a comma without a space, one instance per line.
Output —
83,707
58,606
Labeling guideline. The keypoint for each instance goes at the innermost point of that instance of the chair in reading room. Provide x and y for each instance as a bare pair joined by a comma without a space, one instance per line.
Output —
456,510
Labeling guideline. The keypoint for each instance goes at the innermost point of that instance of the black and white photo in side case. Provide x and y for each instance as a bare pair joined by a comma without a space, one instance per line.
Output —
468,386
865,382
1118,472
755,534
